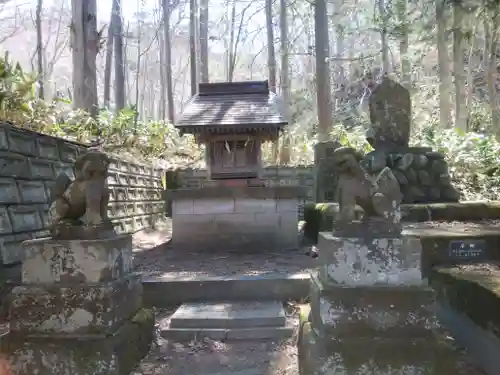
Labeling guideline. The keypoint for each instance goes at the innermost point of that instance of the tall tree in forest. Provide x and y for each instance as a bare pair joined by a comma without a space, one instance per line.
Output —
167,56
109,60
383,36
39,50
460,77
271,56
284,77
271,62
444,65
85,45
193,55
491,36
204,40
402,34
323,86
117,25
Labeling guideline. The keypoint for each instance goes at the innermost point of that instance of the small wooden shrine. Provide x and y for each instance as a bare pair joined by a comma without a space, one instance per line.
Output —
234,209
233,119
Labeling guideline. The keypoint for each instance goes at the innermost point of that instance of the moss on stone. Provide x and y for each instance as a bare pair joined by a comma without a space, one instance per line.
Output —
319,216
304,311
143,316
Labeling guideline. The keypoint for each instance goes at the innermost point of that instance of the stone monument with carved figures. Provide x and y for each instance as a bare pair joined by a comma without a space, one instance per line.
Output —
371,312
79,308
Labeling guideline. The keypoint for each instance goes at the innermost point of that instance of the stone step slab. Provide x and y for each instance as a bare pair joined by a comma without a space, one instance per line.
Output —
221,321
229,315
170,289
218,334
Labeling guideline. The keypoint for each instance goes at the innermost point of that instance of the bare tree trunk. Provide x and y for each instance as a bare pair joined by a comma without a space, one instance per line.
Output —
271,63
459,68
271,56
204,40
383,37
444,66
138,99
231,57
285,78
118,43
491,28
125,66
192,46
339,75
39,50
402,7
109,60
85,47
323,86
162,108
168,60
234,39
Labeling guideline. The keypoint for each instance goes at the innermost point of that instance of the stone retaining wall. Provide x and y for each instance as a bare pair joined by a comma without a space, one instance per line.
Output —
29,163
422,174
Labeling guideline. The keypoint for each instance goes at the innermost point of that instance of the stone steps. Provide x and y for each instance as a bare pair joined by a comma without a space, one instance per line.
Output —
169,289
228,321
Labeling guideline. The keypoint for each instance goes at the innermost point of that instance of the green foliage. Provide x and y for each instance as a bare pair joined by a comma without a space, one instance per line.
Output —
16,86
472,157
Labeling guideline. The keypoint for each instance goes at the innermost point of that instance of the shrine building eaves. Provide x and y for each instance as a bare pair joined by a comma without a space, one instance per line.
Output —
233,107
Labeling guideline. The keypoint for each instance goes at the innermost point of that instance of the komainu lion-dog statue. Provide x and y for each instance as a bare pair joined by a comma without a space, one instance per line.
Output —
86,196
379,197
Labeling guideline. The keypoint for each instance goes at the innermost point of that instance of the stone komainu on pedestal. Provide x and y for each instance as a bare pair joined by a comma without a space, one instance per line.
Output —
370,310
78,310
87,196
378,196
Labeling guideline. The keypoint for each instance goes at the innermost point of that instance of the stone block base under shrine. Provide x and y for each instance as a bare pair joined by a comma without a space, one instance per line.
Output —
243,219
113,354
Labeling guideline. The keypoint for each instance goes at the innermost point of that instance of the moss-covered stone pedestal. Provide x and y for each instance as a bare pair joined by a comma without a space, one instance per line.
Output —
371,312
78,310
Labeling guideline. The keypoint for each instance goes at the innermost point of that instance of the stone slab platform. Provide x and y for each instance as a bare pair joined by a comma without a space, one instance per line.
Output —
229,315
117,354
68,309
169,289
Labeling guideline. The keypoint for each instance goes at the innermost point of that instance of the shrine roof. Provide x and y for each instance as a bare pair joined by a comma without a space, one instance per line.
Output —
229,107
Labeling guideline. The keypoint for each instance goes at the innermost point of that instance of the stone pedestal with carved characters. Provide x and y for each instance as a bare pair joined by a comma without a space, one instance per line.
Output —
78,309
371,312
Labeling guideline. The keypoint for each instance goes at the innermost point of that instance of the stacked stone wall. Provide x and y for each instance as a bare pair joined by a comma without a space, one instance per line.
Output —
422,174
29,164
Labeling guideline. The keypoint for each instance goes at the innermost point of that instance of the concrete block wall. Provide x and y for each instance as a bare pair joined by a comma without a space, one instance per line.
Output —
29,164
235,224
273,176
